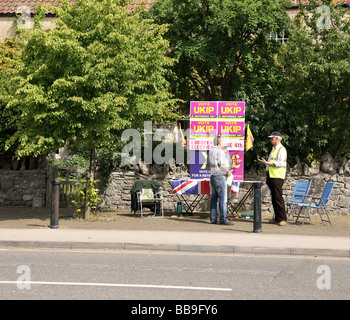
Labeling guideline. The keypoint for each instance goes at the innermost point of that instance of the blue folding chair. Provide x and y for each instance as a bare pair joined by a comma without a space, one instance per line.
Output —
301,190
319,203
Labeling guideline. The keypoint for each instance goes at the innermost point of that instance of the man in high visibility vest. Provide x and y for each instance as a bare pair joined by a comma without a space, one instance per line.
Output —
276,167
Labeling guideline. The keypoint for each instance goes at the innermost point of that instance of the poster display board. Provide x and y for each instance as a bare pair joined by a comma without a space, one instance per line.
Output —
212,118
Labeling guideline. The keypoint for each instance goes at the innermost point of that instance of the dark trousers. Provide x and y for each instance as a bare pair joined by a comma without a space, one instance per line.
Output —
275,185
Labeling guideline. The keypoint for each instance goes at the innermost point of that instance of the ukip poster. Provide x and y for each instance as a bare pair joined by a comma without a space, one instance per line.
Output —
212,118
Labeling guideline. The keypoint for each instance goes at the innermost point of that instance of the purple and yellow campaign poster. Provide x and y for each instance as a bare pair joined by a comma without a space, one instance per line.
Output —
231,128
231,109
237,158
212,118
204,109
203,128
199,168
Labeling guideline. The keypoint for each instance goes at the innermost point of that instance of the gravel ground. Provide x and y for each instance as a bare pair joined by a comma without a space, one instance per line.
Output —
16,217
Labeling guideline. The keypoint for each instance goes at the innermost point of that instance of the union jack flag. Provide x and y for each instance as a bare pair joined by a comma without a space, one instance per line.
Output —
191,186
235,187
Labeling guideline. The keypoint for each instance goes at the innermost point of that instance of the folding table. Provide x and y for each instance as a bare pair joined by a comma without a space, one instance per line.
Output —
234,208
185,186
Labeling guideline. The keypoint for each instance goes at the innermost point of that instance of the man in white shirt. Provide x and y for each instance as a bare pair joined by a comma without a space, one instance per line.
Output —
276,167
218,174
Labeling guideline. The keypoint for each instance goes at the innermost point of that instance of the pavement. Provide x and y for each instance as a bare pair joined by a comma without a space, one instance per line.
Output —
120,230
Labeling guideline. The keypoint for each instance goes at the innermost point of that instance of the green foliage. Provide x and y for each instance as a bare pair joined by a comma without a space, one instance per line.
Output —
92,195
10,50
220,44
76,161
104,69
100,71
107,160
223,54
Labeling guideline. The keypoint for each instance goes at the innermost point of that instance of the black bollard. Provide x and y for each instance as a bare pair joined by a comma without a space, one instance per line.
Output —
257,206
55,204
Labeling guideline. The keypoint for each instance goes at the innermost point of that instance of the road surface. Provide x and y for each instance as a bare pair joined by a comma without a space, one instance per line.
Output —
138,275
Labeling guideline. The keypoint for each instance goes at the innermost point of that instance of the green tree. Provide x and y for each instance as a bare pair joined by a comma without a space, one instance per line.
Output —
317,64
101,70
223,53
9,62
219,44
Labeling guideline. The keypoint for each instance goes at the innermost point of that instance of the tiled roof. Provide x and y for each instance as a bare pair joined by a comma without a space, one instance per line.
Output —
12,6
16,6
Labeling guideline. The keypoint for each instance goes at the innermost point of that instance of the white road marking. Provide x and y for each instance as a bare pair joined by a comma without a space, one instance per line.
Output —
117,285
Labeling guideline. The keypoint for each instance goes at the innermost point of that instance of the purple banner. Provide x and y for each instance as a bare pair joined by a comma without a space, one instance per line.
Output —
237,158
231,128
202,109
231,109
206,128
198,166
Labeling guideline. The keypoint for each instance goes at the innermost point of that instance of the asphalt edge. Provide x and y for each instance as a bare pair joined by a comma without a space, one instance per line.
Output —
174,247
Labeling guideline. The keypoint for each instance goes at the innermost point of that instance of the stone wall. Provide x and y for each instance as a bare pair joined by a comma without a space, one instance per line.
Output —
28,188
339,202
117,195
25,188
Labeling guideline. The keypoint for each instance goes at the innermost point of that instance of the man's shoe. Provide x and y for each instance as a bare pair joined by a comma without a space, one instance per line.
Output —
282,223
228,223
273,221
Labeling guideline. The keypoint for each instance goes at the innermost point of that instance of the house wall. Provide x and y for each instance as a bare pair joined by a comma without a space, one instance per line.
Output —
8,26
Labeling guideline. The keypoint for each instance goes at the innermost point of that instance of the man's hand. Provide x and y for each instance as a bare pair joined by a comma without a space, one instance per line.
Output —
263,161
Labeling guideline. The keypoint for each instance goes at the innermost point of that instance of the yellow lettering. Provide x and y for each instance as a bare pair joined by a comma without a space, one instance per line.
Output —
235,161
203,109
203,128
231,110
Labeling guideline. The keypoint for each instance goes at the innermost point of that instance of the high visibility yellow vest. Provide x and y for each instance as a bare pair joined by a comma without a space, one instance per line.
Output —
277,172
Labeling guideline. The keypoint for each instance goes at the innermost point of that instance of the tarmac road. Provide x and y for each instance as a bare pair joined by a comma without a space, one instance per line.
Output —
133,275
